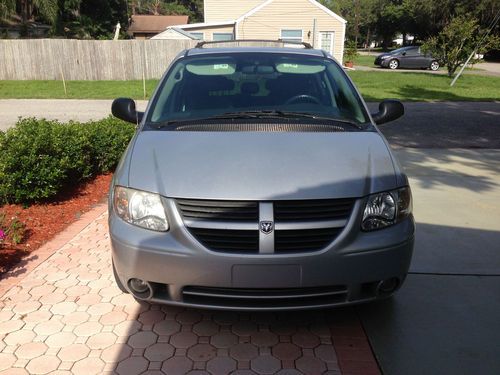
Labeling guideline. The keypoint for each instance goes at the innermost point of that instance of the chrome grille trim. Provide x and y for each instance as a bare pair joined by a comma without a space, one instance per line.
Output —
208,224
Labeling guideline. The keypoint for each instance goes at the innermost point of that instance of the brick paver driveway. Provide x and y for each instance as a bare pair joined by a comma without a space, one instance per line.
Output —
65,315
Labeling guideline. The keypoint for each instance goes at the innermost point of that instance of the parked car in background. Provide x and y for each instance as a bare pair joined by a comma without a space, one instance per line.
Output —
407,58
258,180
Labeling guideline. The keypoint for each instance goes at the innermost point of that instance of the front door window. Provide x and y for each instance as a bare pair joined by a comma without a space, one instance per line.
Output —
326,40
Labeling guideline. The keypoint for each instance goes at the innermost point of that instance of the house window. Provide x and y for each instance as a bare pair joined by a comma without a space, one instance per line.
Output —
291,35
200,36
326,40
222,36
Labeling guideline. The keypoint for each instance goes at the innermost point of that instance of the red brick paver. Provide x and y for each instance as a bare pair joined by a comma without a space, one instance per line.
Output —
61,312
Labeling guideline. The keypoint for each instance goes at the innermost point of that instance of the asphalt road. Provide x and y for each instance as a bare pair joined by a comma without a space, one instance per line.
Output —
445,125
425,125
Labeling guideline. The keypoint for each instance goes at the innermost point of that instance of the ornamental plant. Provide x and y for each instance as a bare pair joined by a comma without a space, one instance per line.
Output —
12,232
40,158
458,40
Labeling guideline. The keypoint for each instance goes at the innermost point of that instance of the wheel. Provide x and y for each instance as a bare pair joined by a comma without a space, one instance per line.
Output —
301,98
394,64
434,66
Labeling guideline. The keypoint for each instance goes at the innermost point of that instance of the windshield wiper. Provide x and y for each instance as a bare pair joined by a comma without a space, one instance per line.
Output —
224,116
260,114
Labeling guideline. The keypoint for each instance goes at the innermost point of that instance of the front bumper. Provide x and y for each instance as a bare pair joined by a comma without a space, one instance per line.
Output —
384,63
183,272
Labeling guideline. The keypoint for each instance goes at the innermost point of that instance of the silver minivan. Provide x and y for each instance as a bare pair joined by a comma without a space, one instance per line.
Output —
258,180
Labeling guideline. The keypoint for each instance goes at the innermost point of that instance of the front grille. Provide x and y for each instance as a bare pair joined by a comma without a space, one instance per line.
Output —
305,240
265,298
233,226
218,210
223,240
312,210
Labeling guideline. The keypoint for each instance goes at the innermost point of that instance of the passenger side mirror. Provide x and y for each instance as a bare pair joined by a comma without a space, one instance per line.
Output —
124,109
388,110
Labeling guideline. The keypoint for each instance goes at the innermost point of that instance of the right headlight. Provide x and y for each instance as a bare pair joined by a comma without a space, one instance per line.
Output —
385,209
140,208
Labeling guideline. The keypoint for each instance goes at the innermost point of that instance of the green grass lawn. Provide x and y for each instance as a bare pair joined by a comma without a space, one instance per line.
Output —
75,89
379,85
374,85
364,60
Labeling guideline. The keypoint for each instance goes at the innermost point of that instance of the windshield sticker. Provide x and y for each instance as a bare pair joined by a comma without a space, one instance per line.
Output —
300,68
212,67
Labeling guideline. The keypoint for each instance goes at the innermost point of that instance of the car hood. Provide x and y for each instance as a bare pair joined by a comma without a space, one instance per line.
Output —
260,166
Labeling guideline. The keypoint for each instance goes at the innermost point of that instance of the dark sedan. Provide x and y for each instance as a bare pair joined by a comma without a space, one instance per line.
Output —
408,58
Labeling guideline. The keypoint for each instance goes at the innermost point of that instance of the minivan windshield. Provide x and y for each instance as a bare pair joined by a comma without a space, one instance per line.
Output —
203,87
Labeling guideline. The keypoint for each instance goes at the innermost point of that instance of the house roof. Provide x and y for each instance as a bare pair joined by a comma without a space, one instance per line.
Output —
174,29
154,24
206,24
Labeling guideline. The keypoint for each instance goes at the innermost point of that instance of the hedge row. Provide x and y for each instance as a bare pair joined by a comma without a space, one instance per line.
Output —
40,158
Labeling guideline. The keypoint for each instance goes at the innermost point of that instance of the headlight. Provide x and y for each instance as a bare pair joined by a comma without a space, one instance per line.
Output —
385,57
140,208
386,209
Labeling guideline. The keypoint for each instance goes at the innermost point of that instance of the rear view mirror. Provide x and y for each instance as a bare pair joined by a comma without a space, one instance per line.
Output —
124,109
388,110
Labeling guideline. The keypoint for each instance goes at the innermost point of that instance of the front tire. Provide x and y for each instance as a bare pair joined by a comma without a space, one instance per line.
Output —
393,64
434,66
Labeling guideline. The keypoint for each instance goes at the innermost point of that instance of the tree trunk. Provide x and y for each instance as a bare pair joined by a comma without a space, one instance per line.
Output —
24,11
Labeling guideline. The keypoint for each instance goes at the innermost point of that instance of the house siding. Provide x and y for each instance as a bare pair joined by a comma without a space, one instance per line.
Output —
268,22
224,10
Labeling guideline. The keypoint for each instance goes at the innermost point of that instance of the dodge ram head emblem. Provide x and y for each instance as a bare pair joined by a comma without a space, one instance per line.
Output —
266,227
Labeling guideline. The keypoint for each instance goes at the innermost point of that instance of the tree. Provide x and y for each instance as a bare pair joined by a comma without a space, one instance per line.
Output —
160,7
458,40
7,7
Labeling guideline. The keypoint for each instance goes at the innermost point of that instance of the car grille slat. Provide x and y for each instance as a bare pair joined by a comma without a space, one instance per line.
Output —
263,298
312,210
210,222
228,240
218,210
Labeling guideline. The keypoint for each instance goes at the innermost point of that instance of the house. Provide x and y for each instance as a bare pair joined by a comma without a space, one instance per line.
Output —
289,20
145,26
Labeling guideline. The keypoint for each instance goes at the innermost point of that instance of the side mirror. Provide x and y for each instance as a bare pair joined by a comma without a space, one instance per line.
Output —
124,109
388,110
403,54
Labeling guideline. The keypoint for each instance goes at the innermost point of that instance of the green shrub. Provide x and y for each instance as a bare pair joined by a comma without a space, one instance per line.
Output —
40,158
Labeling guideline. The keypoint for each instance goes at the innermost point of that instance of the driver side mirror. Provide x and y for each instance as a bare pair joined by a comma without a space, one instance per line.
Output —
388,110
124,109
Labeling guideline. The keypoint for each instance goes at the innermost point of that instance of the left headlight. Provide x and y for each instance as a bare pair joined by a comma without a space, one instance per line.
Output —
386,209
140,208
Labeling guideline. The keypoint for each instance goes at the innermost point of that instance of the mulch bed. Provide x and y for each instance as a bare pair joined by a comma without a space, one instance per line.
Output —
44,221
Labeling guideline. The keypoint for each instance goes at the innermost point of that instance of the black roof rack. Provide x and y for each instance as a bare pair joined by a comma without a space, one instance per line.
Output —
304,44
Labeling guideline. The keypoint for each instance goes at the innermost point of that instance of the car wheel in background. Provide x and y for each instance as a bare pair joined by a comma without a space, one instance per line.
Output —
434,66
394,64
